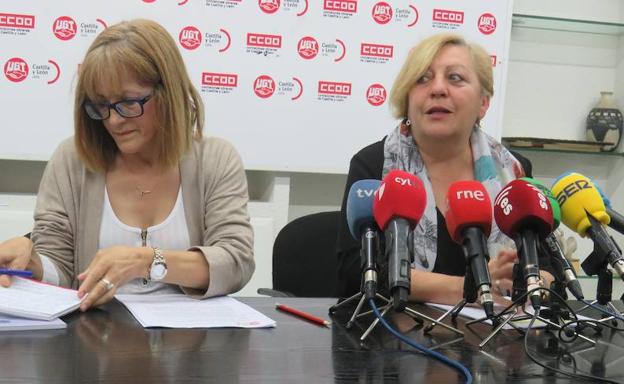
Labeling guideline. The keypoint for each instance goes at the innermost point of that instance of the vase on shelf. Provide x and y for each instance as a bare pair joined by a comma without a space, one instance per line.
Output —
604,122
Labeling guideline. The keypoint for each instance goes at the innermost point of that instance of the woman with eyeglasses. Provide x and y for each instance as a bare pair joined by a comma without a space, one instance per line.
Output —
138,201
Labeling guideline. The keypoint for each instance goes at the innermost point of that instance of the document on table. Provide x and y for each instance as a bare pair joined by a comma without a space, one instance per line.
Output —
479,313
181,311
35,300
10,323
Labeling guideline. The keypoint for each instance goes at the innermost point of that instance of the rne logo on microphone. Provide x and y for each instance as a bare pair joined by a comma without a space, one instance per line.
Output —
376,50
376,95
16,69
264,86
382,12
17,21
487,23
348,6
308,47
470,195
269,6
190,37
333,88
64,28
448,16
265,41
219,79
572,188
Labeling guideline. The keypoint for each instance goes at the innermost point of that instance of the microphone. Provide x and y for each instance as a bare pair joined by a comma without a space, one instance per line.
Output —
363,227
469,222
523,213
617,220
398,206
551,246
583,210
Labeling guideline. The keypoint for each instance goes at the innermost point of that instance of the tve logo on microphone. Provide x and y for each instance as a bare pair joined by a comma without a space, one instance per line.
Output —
190,37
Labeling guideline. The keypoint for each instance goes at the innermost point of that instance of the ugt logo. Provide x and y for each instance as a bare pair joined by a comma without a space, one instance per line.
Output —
190,37
64,28
307,47
264,86
376,95
382,12
269,6
16,69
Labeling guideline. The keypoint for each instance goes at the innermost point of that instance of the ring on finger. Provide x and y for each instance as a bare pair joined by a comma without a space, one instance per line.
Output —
107,283
498,287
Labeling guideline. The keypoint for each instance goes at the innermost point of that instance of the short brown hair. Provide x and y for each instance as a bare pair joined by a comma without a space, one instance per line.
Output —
419,60
145,49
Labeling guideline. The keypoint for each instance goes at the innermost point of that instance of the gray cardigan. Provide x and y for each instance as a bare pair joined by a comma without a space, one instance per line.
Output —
214,187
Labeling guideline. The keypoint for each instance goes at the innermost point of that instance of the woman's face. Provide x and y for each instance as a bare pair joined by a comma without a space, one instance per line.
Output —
133,135
447,100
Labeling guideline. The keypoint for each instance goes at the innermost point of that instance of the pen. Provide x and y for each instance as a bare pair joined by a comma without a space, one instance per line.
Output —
302,315
16,272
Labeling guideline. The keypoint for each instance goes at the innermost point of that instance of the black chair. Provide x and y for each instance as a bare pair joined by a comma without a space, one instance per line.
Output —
304,257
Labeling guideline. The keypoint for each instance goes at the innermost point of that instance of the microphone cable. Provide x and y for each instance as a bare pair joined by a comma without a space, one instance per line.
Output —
436,355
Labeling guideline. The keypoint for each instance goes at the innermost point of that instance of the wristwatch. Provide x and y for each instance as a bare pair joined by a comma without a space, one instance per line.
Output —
158,269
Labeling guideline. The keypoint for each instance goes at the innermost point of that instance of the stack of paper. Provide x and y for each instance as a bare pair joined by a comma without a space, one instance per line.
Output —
180,311
35,300
10,323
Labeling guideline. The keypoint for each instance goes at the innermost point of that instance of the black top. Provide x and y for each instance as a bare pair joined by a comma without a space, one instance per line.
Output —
368,164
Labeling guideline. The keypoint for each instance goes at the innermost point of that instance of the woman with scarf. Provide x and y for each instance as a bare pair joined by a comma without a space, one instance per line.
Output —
441,94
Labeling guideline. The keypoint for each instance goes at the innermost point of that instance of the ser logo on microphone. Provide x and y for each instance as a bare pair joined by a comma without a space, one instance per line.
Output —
571,189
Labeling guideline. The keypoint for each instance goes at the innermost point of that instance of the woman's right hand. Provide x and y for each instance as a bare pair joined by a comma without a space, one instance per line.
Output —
17,253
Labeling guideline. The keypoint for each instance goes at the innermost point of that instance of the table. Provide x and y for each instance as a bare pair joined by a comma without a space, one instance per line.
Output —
107,345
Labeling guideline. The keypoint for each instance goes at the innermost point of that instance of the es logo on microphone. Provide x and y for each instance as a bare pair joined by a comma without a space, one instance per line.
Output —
470,195
503,202
572,188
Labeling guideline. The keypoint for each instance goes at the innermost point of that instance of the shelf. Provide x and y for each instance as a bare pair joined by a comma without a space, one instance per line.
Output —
542,150
566,25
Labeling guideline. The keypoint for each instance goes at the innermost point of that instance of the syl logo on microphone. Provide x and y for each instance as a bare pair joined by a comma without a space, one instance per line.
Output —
269,6
190,37
16,25
64,28
376,95
16,70
382,12
264,86
308,47
487,23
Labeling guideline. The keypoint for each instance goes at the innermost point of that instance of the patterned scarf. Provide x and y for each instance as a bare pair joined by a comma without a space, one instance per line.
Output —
494,167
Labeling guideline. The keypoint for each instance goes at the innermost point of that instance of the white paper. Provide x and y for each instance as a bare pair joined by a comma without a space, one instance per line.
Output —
180,311
479,313
35,300
10,323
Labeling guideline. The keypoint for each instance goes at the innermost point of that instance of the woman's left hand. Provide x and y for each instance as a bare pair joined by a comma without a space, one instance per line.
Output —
110,269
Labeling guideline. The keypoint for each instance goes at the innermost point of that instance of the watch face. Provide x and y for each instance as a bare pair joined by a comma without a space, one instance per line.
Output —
158,271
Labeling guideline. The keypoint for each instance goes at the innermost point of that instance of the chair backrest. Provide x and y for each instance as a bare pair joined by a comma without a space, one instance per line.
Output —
304,256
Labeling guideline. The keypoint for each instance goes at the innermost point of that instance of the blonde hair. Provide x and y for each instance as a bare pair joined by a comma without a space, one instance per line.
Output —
144,49
419,60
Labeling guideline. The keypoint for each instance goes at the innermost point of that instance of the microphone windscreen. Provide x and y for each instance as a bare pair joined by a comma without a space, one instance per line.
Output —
401,194
578,197
469,205
360,205
520,205
551,199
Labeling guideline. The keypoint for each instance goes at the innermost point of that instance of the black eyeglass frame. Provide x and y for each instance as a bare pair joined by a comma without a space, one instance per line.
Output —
95,115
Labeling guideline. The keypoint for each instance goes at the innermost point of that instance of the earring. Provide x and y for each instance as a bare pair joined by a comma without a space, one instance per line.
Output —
407,122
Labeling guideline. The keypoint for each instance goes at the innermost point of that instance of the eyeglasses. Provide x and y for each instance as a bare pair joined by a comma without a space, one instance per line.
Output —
125,108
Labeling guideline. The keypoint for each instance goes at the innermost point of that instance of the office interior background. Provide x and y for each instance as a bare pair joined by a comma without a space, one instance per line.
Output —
553,79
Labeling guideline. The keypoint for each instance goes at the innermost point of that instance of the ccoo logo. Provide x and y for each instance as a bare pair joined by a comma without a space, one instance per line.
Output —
64,28
190,37
376,95
382,12
487,23
16,69
264,86
308,47
17,21
269,6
